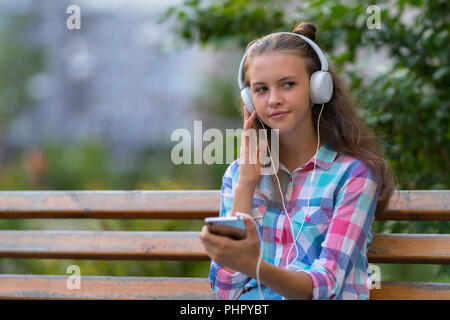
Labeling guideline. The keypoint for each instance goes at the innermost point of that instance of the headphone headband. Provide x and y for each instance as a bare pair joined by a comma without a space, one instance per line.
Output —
320,54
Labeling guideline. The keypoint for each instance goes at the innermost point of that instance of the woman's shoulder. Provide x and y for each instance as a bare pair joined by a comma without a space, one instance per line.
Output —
354,170
352,166
231,173
232,169
351,170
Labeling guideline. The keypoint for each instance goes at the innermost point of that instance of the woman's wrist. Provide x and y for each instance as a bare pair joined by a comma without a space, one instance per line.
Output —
243,197
230,270
246,184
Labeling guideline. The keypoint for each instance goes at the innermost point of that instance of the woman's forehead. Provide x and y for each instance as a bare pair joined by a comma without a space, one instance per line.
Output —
275,65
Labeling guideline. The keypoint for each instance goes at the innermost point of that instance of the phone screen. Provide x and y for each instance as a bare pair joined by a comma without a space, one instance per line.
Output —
234,229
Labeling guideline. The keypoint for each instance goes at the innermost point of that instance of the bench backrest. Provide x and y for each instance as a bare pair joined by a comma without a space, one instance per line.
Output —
163,245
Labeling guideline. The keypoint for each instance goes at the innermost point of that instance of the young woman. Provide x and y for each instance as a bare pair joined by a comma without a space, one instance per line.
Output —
316,232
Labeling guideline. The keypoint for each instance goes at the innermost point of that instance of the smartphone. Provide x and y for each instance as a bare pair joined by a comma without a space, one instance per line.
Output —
233,227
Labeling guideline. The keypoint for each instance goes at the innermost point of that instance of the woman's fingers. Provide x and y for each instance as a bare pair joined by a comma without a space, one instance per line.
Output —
210,238
248,153
262,148
252,235
249,148
249,121
248,118
248,136
246,113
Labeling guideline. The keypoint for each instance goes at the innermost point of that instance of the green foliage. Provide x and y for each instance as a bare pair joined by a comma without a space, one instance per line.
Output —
78,167
407,101
217,95
18,62
220,22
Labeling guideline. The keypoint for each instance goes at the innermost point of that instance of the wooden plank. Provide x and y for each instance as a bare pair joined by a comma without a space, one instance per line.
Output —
418,205
182,204
410,248
104,288
141,288
127,245
107,245
411,291
179,204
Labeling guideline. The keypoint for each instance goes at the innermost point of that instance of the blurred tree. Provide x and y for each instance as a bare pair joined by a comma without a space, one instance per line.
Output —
19,61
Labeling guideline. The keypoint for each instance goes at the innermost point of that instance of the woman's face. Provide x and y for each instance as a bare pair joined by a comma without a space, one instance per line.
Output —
279,85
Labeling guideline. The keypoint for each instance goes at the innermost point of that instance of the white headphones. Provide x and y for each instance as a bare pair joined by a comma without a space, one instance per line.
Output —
320,83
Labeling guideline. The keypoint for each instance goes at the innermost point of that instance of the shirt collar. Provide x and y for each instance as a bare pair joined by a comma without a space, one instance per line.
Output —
325,158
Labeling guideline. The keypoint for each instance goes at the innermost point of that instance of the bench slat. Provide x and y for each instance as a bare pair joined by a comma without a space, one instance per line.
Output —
104,288
182,204
109,245
136,245
411,291
139,288
177,204
410,248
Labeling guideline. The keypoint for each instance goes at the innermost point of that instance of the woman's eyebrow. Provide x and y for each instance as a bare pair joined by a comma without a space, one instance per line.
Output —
280,80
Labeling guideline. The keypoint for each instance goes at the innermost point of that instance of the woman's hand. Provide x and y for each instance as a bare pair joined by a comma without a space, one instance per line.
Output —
250,163
241,255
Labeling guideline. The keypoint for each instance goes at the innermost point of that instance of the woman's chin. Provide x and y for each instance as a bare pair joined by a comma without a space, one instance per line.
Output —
282,128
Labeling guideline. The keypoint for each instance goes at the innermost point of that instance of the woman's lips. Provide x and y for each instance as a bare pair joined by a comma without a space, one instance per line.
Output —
279,115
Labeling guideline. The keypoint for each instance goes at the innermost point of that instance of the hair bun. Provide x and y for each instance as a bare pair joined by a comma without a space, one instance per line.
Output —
306,29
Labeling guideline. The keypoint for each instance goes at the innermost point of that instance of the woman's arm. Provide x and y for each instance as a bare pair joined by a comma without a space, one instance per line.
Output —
289,284
243,197
248,173
227,282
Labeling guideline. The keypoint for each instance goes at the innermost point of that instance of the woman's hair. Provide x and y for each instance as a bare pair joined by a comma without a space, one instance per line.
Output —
340,125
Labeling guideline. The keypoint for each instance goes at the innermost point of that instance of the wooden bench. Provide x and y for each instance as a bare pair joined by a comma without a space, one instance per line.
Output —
139,245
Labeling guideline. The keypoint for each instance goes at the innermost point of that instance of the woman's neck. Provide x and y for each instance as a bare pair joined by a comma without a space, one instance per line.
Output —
296,150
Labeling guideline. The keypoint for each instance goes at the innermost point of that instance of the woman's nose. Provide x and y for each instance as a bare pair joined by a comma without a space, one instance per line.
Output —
275,97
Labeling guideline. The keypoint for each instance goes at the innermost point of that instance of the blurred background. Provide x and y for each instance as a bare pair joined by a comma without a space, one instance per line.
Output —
94,108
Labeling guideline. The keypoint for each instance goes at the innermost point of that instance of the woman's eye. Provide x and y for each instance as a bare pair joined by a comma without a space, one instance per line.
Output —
286,84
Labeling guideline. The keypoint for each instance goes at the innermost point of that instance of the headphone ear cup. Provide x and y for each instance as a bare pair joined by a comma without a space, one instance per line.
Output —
320,87
247,99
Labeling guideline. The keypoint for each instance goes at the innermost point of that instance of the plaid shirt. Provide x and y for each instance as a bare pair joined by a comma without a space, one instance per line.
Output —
336,231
